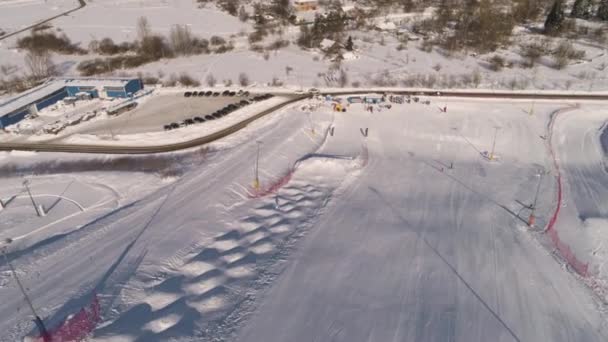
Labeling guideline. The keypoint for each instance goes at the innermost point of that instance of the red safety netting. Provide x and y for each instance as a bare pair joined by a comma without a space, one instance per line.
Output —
563,249
77,327
272,187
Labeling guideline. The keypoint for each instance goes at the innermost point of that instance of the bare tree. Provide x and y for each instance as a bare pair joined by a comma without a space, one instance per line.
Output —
39,63
143,28
211,81
181,40
243,79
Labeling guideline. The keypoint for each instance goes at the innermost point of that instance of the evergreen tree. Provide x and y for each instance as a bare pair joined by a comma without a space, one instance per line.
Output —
281,8
305,37
602,10
555,19
349,44
259,15
444,13
581,9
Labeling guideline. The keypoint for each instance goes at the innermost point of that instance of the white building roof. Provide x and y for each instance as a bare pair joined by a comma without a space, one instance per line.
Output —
33,95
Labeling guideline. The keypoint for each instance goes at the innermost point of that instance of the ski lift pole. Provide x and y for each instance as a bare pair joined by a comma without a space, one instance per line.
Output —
256,181
532,218
26,184
494,143
39,323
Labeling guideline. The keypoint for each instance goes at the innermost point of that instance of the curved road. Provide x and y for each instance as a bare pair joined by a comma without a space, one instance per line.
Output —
74,148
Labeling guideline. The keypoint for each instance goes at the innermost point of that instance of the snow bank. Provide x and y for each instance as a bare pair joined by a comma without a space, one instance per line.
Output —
596,233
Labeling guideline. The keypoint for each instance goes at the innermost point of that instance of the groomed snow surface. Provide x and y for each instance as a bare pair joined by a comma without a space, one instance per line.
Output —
408,234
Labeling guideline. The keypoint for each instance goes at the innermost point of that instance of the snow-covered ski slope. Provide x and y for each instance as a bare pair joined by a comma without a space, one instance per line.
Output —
408,234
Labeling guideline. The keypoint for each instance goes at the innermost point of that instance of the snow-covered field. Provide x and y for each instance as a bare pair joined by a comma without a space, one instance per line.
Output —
17,14
406,234
378,57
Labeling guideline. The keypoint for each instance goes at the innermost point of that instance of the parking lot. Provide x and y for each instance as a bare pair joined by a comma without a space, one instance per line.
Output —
158,111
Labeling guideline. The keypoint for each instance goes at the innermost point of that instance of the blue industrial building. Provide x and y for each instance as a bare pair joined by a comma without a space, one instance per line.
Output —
16,108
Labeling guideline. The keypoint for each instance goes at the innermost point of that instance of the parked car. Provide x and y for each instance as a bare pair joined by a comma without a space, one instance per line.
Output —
244,102
216,94
194,94
232,93
168,127
189,122
209,93
174,125
217,115
198,119
314,91
209,117
226,93
187,94
201,94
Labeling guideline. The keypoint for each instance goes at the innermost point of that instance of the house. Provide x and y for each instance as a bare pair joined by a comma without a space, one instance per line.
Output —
305,5
18,107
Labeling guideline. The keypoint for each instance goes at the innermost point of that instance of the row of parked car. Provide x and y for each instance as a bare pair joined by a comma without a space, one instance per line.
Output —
210,93
218,114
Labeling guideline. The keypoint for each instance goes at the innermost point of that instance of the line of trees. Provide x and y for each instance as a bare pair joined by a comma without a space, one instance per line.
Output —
149,47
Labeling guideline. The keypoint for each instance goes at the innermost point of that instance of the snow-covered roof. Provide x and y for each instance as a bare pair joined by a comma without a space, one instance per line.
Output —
49,87
305,1
92,81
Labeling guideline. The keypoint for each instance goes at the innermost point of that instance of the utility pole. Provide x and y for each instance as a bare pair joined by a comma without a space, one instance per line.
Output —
496,128
26,183
46,337
256,181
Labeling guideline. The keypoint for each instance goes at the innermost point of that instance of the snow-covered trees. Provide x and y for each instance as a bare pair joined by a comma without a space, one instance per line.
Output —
281,8
582,9
230,6
211,80
39,64
602,10
243,79
555,19
181,40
